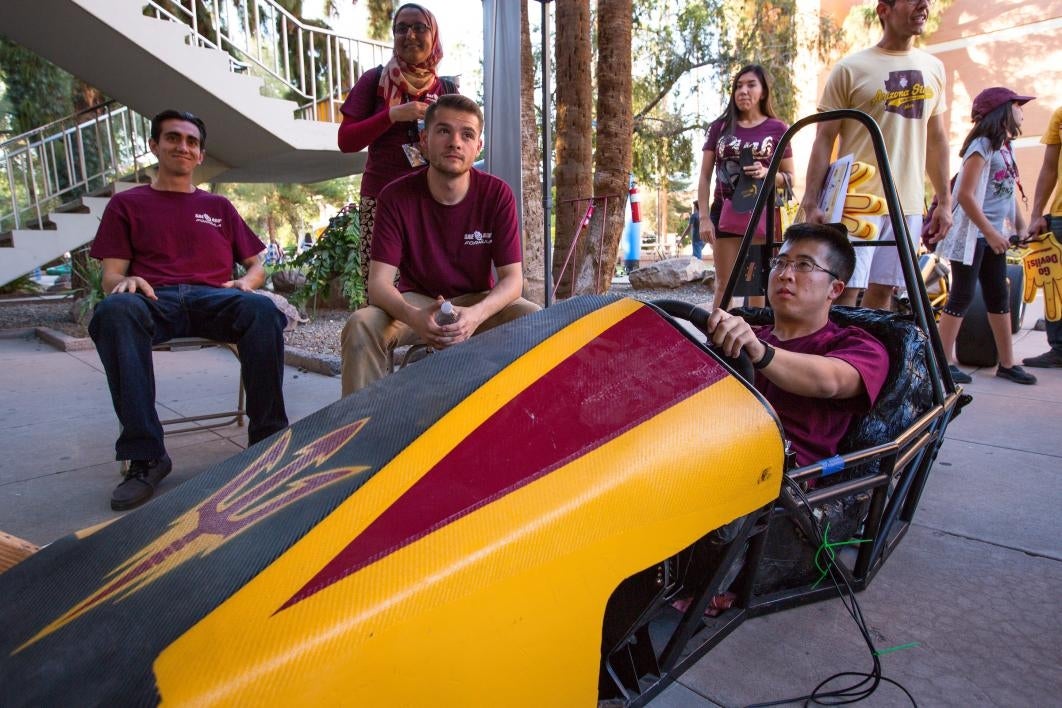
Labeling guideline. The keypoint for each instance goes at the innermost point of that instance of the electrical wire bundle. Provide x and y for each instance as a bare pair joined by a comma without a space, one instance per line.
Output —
867,682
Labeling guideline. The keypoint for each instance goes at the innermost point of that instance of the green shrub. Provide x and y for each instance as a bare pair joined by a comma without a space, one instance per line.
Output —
24,284
88,273
335,255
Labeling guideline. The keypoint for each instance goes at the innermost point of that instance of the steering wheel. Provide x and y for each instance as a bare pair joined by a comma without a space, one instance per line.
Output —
698,317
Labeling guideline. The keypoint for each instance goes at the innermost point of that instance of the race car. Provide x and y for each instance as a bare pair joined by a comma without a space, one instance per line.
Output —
535,516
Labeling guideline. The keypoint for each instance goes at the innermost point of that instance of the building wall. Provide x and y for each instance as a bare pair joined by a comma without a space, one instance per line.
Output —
1013,43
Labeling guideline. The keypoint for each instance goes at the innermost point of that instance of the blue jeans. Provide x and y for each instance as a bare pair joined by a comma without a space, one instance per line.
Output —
126,325
698,248
1054,329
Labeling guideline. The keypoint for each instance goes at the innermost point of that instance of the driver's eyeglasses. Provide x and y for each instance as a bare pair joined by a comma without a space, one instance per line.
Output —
419,28
801,265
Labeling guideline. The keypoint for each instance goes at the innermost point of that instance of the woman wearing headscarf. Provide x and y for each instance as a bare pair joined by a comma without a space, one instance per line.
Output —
383,109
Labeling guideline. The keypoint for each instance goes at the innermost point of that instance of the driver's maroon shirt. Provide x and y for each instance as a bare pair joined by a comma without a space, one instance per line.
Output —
815,426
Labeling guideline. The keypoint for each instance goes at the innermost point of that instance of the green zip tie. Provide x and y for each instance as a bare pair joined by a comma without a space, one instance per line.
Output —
901,647
828,546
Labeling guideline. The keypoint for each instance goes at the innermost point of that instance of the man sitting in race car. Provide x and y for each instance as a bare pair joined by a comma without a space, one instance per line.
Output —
817,374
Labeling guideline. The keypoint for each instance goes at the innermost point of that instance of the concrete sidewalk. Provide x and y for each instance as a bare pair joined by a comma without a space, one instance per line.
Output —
57,469
975,584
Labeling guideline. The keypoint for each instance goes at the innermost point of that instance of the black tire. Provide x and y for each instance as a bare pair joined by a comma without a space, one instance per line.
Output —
1016,278
975,346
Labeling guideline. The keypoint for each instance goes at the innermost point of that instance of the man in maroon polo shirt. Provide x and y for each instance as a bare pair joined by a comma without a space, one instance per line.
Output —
167,250
440,229
817,375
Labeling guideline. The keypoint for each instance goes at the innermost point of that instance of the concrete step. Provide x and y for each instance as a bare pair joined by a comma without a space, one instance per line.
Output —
22,250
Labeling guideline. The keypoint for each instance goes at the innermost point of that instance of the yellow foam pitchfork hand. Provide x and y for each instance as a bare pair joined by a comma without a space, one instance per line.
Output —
859,204
1043,269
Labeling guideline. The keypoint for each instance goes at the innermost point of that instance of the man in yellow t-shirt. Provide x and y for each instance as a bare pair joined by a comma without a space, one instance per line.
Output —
903,90
1042,221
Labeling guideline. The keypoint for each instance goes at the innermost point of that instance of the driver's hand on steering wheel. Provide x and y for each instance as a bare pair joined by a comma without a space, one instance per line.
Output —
730,334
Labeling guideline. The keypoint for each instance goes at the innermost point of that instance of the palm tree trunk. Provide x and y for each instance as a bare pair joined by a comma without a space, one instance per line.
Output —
530,159
572,176
612,161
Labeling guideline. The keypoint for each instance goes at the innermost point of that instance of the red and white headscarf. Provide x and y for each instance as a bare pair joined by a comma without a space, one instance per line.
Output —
400,78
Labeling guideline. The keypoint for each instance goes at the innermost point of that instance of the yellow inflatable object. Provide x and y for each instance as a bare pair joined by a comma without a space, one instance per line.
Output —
861,174
1043,269
858,227
858,205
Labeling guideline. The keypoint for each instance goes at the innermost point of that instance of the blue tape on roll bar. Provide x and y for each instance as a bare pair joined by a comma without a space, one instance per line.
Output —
832,465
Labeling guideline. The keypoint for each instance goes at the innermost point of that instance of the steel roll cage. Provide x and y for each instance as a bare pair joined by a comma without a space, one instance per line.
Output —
920,307
895,473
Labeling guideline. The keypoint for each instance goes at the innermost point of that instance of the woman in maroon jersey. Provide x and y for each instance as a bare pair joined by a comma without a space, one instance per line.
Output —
748,123
383,109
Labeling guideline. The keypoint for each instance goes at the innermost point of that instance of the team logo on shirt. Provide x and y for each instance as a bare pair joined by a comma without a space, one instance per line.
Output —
209,220
905,94
730,146
478,238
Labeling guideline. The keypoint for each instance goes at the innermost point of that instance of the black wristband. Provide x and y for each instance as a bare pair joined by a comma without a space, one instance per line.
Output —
768,354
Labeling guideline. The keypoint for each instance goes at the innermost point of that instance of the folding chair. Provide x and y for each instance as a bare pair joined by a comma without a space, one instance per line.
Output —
181,344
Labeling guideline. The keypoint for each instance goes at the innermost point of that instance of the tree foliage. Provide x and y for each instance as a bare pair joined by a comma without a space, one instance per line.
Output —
37,91
380,14
713,38
283,211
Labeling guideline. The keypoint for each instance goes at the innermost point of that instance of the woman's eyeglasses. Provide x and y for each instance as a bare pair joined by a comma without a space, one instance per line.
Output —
801,265
419,28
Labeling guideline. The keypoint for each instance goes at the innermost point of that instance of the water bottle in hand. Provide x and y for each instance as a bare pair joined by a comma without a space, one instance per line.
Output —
446,314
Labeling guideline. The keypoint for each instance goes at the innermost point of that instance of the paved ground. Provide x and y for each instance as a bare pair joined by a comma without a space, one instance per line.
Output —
57,468
975,584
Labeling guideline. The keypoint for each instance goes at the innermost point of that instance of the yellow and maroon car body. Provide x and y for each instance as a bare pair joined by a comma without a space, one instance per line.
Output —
447,537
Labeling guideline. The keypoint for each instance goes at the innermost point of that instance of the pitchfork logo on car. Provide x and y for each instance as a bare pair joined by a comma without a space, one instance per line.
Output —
270,483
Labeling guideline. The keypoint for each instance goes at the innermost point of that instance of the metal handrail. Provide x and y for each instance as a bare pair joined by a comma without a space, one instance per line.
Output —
67,158
316,64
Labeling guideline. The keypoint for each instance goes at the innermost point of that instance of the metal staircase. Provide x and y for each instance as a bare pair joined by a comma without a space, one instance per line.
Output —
253,72
55,181
267,84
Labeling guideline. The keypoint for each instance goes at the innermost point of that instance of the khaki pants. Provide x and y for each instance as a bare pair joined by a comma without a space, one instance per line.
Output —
370,336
